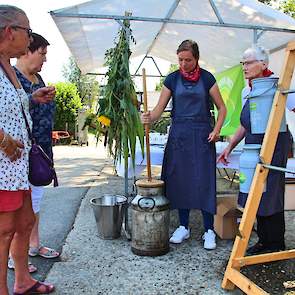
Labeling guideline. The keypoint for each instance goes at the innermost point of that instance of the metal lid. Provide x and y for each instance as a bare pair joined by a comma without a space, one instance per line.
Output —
147,183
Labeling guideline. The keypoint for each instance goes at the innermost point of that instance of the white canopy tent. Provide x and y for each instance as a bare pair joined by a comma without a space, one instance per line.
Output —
223,29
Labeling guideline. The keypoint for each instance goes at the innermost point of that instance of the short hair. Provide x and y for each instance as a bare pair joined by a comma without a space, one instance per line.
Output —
258,52
38,42
9,14
189,45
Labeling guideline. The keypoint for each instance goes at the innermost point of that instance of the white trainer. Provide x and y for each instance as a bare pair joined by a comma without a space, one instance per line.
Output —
209,240
180,234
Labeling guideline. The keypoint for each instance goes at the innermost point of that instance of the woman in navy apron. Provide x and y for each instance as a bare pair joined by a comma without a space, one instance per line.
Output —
189,165
270,215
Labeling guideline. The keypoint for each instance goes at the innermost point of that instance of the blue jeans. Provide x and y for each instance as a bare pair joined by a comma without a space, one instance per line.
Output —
208,218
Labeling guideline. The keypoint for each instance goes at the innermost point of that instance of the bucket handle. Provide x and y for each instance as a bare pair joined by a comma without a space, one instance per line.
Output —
122,202
146,208
263,92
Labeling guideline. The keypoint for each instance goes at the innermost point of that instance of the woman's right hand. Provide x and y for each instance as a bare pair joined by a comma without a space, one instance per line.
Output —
146,118
44,94
223,157
12,148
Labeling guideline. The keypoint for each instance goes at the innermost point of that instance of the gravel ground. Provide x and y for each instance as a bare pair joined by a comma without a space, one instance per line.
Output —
93,266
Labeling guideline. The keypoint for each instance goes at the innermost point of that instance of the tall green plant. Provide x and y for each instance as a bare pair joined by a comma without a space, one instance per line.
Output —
118,108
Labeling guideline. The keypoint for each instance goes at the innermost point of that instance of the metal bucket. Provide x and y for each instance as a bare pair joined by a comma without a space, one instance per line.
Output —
248,161
109,211
261,100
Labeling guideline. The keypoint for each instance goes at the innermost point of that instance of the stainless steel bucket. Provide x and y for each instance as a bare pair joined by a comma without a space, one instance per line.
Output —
109,211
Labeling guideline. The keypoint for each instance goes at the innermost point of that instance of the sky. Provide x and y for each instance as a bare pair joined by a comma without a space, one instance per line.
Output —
42,23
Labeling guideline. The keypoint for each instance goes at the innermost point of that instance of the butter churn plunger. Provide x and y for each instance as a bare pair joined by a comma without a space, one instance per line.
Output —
150,208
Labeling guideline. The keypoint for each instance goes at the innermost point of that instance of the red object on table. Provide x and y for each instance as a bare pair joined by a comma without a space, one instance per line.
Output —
58,135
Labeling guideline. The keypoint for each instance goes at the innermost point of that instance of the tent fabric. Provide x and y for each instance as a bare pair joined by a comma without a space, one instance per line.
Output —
220,47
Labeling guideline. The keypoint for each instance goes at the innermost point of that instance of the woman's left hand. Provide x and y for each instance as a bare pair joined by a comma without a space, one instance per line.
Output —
213,136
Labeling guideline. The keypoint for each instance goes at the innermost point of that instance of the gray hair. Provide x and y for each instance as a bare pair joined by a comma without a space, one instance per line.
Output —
257,52
9,14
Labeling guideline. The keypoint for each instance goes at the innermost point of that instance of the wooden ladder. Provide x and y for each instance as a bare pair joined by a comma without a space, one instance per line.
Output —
233,276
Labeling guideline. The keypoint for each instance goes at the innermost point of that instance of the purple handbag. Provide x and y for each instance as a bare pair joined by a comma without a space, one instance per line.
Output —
41,169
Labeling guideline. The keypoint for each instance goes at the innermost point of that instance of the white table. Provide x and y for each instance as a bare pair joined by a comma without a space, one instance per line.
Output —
157,153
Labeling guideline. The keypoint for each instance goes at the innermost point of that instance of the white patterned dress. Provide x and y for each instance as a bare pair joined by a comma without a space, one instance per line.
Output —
14,175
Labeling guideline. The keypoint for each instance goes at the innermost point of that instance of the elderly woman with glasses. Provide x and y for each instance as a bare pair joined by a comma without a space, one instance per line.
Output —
16,214
270,215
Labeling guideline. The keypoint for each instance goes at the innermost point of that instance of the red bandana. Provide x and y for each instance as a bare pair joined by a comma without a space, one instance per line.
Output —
193,76
265,73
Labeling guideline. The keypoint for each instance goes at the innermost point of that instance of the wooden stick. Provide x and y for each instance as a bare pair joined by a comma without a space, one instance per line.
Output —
263,258
147,128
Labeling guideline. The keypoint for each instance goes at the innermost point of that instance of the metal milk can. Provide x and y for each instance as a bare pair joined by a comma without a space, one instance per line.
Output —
248,161
261,99
150,219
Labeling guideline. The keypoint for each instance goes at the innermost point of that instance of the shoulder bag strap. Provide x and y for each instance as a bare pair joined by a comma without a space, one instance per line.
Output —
22,108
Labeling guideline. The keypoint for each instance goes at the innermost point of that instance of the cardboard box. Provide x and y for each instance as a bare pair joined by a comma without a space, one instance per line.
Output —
290,194
225,220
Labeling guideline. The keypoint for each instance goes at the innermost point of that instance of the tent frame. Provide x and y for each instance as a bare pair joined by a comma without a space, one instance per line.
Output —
257,29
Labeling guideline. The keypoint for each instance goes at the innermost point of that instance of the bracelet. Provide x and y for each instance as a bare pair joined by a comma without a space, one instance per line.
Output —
4,139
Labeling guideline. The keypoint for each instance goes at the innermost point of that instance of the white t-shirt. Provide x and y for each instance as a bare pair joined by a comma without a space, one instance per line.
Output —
14,175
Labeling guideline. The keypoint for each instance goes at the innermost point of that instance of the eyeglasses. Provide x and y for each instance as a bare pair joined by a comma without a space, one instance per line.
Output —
29,31
249,63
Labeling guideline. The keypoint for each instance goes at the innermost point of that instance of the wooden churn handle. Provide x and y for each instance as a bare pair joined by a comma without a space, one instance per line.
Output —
146,128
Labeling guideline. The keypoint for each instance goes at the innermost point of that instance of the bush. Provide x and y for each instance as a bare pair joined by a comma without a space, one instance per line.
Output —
67,103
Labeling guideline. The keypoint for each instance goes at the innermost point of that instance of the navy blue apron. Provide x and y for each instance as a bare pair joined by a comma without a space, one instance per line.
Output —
272,200
189,164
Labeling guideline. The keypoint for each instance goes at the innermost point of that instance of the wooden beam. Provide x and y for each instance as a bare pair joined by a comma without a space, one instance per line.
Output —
245,284
291,46
263,258
278,109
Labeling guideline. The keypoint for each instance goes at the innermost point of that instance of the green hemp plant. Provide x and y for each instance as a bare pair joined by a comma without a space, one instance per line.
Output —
118,114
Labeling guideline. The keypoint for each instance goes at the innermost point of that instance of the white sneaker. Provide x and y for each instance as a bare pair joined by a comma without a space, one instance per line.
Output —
180,234
209,240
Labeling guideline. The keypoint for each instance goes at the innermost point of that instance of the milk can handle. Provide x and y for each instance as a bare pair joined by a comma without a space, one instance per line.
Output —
149,208
263,92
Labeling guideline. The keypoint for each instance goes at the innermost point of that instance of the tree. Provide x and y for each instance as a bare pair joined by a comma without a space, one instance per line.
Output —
67,101
267,2
87,86
287,6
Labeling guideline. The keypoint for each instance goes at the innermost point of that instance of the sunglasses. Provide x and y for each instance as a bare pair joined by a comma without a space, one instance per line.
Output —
29,31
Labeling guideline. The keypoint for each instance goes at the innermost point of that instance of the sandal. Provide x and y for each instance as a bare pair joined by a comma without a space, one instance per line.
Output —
37,288
32,268
44,252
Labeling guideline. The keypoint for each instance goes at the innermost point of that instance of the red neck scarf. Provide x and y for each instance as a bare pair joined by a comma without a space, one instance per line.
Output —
265,73
193,76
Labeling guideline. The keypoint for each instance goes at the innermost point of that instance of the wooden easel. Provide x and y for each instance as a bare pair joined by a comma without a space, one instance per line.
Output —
232,276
